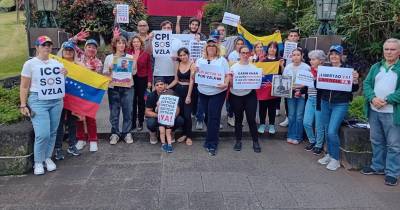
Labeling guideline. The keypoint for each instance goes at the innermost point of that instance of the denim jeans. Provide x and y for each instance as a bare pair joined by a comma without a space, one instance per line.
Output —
295,115
310,114
69,121
212,105
385,140
120,98
200,115
332,117
45,122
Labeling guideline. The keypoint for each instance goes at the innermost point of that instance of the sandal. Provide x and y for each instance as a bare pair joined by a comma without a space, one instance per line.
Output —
182,139
189,142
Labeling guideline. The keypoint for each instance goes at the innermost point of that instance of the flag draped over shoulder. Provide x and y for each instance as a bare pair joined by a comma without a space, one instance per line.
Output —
269,69
84,89
250,39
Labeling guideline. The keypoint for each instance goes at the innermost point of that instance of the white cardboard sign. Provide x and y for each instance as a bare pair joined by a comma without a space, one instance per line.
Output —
247,78
231,19
167,109
185,39
335,78
289,47
210,74
51,82
162,43
196,49
304,77
122,13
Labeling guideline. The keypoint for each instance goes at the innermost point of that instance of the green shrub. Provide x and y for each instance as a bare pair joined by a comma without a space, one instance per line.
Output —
356,108
9,101
7,3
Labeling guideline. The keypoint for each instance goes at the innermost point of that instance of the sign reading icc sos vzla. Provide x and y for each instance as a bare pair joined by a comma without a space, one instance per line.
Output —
51,82
174,7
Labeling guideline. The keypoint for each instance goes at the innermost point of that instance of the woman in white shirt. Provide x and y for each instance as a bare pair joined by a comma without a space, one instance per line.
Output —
42,102
212,97
244,100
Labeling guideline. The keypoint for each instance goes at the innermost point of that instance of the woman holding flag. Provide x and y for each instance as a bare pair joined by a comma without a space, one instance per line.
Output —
44,112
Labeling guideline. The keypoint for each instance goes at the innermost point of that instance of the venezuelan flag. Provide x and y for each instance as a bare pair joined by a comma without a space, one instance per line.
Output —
269,69
84,89
250,39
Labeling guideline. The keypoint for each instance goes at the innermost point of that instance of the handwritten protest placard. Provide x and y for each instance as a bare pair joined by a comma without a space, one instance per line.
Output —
167,109
122,13
231,19
210,74
304,77
335,78
51,82
196,49
289,47
282,86
162,45
122,71
185,39
247,78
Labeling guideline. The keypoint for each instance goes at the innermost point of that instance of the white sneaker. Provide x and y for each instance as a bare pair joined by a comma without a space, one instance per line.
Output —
199,125
114,139
50,165
80,144
128,138
38,169
333,165
285,123
325,160
231,121
278,112
93,146
153,138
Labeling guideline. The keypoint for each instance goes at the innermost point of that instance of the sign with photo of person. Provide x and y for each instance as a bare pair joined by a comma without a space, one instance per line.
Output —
51,82
209,74
162,43
282,86
122,71
167,107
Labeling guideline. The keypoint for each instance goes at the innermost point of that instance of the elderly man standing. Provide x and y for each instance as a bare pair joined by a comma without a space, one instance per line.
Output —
382,93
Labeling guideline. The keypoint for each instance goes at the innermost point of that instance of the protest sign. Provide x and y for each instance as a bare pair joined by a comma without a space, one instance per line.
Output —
51,82
304,77
231,19
282,86
162,45
122,72
122,13
196,49
185,39
289,47
247,78
210,74
335,78
167,109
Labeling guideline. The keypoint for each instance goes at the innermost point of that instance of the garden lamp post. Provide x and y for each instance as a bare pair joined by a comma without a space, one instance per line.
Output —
326,12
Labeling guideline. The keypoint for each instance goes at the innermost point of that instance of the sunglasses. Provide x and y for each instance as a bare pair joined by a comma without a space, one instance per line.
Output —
46,44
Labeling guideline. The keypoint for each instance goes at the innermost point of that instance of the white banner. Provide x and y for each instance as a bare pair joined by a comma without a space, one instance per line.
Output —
51,82
210,74
185,39
196,49
231,19
162,45
289,47
304,77
167,109
335,78
247,78
122,13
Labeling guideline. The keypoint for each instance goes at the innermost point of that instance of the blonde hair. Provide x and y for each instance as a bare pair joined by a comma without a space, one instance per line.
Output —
205,53
130,42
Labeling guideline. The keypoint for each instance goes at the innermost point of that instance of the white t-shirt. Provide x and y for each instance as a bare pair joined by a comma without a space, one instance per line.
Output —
165,66
211,90
291,69
385,84
31,70
239,67
234,56
108,61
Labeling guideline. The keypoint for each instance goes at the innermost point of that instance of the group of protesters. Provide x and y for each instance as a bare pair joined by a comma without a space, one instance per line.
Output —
318,112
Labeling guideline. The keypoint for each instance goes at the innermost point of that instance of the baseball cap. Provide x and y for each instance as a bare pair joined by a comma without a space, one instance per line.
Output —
68,45
214,34
42,39
337,48
91,41
158,79
212,40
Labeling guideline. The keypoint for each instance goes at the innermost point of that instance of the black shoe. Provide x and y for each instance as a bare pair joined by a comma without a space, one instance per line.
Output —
73,150
317,151
58,154
256,147
212,151
390,181
369,171
309,147
238,146
140,127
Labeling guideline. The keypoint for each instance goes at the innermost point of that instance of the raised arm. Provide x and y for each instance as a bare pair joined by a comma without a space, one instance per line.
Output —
178,24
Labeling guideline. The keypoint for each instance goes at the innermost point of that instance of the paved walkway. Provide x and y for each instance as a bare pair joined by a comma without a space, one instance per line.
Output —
140,176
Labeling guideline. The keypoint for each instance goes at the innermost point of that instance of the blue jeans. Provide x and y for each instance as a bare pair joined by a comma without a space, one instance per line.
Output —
295,116
200,115
70,121
120,98
332,117
310,114
385,140
45,123
213,106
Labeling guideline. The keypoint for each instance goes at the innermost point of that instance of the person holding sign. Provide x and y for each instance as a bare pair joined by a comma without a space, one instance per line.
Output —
244,100
171,109
194,28
120,95
214,68
382,93
297,102
183,83
41,95
334,105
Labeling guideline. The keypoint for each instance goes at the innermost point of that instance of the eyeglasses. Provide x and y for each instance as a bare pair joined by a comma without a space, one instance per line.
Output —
142,25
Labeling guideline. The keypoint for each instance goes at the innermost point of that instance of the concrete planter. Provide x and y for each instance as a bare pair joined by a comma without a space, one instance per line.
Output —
16,148
355,148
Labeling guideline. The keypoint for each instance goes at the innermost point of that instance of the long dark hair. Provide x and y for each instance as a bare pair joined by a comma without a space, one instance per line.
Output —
182,49
274,44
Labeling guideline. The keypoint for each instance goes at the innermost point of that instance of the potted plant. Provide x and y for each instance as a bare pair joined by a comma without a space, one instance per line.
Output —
355,144
16,135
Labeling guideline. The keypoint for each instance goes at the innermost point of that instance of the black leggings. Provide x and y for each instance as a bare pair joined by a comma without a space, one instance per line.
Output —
138,100
185,109
247,104
270,106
